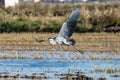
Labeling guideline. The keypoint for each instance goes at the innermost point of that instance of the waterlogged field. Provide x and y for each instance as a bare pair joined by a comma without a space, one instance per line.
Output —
22,58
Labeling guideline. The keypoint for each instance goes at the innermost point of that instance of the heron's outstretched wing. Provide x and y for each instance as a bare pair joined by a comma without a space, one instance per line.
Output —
68,26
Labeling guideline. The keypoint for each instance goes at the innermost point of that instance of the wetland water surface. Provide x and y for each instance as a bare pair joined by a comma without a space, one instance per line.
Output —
55,66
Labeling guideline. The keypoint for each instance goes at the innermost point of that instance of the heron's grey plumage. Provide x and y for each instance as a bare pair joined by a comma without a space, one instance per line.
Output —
68,26
66,30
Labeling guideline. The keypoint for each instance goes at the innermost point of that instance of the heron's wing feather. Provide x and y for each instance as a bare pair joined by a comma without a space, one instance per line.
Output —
68,26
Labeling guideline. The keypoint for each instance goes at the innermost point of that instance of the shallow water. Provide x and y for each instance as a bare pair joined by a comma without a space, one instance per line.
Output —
53,65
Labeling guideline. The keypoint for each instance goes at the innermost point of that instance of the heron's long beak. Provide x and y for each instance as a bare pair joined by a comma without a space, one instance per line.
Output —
39,40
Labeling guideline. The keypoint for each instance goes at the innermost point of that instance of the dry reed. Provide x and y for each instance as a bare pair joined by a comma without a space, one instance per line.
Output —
87,42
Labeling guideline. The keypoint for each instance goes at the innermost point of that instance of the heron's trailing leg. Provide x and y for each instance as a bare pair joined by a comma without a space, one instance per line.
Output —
73,47
66,31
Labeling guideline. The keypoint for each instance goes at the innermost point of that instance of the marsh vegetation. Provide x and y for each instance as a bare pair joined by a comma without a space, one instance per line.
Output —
87,42
21,57
44,17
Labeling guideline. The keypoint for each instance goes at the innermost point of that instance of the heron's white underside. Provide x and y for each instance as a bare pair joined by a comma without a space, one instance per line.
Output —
60,41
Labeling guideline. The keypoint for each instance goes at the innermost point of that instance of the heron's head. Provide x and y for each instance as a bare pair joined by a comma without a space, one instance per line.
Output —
52,41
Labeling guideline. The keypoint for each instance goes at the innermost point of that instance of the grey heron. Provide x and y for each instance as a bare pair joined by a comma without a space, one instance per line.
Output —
66,30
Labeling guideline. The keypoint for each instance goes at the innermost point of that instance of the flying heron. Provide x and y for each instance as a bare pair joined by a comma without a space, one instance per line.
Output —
66,31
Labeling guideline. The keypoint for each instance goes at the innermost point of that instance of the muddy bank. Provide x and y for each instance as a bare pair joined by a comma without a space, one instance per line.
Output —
68,76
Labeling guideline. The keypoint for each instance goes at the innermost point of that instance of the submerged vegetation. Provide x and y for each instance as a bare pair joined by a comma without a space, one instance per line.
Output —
44,17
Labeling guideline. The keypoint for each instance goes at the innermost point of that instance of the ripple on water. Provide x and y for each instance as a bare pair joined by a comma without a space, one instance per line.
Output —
49,68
